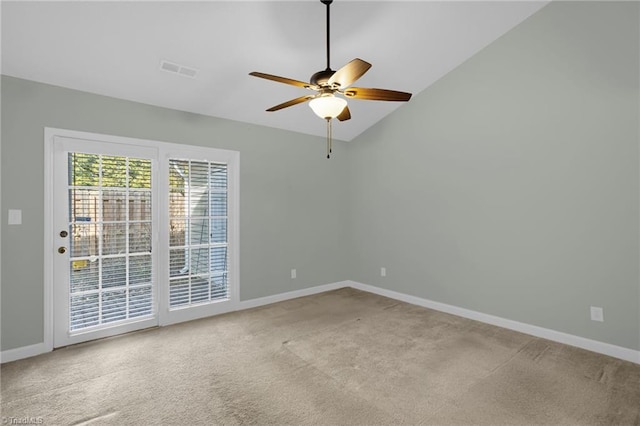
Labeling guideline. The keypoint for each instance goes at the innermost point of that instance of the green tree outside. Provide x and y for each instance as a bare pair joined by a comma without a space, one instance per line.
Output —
87,168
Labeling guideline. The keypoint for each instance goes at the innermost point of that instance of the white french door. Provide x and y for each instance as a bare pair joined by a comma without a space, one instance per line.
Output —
105,215
142,234
202,251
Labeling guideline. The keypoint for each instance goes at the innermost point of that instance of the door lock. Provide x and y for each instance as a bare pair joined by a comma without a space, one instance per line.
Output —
63,234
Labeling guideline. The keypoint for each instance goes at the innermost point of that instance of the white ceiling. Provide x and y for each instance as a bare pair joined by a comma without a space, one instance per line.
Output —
114,48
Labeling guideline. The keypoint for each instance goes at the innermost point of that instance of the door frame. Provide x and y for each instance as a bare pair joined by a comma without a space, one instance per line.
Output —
165,316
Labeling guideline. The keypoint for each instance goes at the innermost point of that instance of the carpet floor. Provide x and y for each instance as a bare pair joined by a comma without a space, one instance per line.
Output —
343,357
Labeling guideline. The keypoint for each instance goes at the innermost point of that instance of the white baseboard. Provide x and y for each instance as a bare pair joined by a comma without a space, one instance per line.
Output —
22,352
533,330
254,303
545,333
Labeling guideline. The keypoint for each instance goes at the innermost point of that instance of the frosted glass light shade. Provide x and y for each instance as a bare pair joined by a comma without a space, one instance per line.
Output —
327,106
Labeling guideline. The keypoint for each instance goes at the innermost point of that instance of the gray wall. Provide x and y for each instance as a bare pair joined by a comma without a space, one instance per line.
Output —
510,187
292,198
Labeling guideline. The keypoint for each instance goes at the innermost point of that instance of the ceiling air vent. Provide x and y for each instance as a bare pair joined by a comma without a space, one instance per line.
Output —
181,70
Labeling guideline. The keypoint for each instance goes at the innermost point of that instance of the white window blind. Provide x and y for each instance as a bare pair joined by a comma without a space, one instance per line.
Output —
110,227
198,238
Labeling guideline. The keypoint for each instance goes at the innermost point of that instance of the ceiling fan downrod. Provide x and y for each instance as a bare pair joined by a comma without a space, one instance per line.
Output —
328,3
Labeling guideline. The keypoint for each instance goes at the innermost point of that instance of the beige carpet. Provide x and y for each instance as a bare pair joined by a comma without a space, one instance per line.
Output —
339,358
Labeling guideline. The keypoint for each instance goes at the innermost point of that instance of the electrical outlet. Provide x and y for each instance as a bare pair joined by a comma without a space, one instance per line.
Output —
294,274
15,217
597,314
383,272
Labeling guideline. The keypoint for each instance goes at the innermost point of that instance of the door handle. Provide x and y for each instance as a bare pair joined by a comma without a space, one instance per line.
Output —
62,250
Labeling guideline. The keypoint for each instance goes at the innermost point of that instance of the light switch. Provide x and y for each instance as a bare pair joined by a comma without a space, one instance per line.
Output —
15,217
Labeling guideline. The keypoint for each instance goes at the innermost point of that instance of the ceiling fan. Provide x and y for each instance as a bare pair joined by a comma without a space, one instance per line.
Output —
328,83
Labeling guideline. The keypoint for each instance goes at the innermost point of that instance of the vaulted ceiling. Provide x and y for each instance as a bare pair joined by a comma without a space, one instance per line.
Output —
115,49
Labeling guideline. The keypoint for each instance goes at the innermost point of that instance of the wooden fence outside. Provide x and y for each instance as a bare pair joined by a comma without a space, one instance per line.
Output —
87,226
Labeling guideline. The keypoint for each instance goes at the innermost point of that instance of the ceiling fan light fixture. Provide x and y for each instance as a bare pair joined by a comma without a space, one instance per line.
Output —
327,106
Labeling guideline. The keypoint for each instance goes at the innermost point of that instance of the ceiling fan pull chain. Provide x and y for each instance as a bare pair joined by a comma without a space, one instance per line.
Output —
328,138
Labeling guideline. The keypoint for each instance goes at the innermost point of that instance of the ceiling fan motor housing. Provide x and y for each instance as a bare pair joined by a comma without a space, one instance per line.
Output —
321,77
